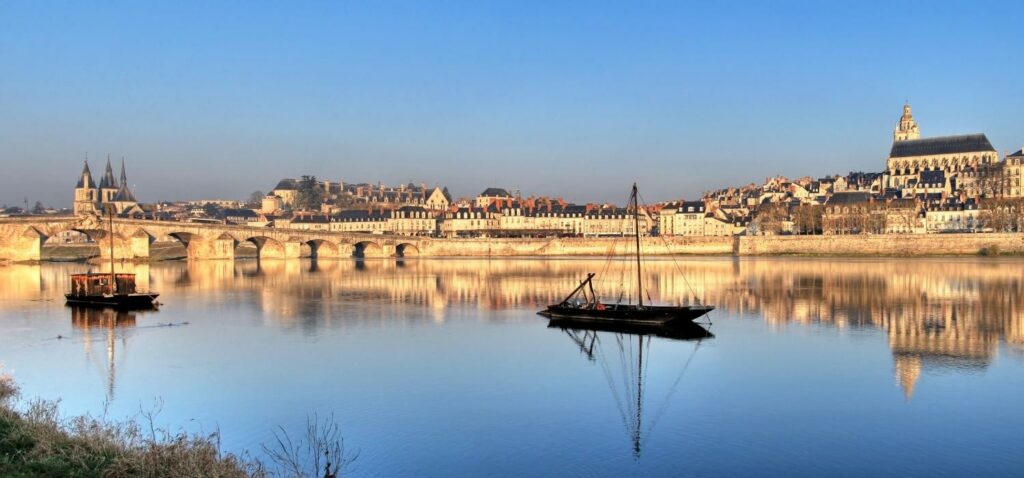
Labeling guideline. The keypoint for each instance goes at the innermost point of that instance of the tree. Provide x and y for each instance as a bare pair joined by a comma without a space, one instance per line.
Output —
770,219
990,180
39,208
213,211
309,196
807,219
256,199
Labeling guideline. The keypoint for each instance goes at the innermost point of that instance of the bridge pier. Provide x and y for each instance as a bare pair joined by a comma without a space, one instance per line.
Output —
24,247
122,248
139,243
204,248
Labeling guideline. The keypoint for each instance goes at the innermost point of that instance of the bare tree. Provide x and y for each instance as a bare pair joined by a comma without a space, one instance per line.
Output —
323,448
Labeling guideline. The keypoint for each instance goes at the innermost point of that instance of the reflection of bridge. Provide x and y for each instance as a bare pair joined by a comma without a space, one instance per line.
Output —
22,239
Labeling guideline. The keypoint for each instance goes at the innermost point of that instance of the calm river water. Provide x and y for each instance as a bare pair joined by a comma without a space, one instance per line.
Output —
442,367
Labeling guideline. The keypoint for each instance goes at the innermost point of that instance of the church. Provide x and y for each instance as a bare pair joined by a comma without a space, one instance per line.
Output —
917,164
109,194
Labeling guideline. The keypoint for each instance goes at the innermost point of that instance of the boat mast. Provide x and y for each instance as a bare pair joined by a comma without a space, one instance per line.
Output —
636,231
111,232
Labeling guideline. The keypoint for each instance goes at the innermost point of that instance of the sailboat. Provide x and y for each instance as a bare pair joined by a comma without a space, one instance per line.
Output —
631,357
108,290
583,305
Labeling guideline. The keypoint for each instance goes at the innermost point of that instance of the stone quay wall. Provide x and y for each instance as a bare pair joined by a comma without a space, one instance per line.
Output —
499,247
883,245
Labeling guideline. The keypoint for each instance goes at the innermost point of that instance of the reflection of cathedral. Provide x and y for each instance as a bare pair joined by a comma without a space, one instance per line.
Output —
936,314
110,194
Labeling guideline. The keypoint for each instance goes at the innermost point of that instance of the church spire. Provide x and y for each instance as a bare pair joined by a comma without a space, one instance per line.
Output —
907,128
124,194
108,181
85,180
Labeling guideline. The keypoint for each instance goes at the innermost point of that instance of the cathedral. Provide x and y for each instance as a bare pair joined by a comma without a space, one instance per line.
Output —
917,164
110,195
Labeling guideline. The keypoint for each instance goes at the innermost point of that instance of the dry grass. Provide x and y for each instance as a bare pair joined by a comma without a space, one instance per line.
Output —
36,442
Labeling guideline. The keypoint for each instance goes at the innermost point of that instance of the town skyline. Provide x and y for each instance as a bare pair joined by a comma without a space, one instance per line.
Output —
213,101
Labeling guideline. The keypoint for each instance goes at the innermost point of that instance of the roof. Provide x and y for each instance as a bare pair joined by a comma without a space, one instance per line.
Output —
124,194
495,192
287,185
240,213
852,197
315,219
1020,152
360,215
967,143
85,180
108,181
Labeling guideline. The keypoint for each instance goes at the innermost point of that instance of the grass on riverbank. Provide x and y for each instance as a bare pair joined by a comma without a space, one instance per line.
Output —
36,442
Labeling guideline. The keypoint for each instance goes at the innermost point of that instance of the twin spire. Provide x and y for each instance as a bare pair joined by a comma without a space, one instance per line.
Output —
123,193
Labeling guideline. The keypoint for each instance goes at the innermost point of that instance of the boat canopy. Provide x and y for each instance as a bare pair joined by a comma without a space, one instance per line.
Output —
98,284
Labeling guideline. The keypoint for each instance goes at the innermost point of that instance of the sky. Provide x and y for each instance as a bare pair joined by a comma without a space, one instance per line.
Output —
578,99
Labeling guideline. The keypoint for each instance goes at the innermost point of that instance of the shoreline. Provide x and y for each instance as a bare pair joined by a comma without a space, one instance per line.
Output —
862,246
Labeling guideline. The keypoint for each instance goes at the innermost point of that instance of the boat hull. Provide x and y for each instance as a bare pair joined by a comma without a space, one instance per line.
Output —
627,315
120,301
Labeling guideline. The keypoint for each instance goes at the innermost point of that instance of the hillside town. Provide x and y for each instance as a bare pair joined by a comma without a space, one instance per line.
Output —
929,185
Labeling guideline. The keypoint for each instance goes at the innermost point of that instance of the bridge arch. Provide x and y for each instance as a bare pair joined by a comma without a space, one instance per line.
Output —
368,250
324,249
406,249
268,247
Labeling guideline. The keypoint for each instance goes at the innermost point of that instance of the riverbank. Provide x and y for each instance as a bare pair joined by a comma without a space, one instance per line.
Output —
36,441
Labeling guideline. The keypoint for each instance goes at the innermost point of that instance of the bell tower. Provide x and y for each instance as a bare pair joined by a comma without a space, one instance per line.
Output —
907,127
86,193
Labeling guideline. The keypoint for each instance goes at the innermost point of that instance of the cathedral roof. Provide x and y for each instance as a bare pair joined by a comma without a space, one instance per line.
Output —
123,193
85,180
108,181
966,143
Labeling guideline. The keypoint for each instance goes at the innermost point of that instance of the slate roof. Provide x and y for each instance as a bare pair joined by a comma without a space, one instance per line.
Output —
967,143
235,213
108,181
85,180
287,185
853,197
1020,152
495,192
359,215
317,219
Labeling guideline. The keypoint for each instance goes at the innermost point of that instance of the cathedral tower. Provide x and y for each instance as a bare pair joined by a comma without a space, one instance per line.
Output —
86,194
108,185
907,127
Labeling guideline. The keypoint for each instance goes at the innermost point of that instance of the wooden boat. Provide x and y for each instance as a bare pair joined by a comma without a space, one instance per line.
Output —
583,306
108,290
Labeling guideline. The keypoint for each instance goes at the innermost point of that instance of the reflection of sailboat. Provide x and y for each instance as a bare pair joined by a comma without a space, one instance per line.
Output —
88,319
583,305
633,351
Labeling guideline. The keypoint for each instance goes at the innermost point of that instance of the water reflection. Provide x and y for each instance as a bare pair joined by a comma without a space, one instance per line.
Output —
624,358
938,314
107,326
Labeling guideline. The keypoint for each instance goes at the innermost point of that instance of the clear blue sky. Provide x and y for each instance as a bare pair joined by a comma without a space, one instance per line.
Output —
217,99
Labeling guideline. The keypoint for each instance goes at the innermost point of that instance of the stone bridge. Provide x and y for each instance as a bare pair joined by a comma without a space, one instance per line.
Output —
21,239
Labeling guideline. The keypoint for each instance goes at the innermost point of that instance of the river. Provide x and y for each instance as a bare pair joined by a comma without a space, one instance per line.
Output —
442,367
